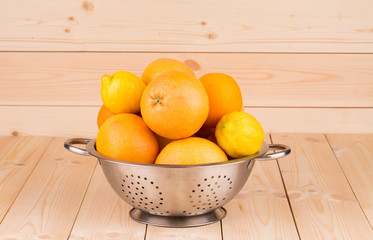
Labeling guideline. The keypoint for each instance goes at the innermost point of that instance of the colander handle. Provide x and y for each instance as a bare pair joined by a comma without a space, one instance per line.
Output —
69,145
276,146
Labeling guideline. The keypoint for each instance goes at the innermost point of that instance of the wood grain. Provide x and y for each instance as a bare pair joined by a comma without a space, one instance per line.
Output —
209,232
103,215
355,155
49,201
314,120
49,121
286,80
321,198
18,157
323,203
261,209
241,26
81,121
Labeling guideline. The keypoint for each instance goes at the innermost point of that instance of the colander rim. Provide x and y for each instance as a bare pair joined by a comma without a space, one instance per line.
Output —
91,149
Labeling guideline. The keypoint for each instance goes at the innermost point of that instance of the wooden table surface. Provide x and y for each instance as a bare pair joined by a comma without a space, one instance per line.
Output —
322,190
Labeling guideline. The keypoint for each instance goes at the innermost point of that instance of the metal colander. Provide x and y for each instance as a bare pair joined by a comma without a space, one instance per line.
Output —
176,195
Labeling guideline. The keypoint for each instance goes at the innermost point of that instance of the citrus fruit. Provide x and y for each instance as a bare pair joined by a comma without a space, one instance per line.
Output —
126,137
224,96
212,138
103,115
205,132
191,151
162,141
239,134
121,93
161,66
175,105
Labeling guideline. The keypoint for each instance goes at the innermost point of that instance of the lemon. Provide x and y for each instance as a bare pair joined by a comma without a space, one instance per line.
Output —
121,93
239,134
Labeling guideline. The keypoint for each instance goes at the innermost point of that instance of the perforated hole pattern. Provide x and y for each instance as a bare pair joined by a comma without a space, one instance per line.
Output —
208,194
133,188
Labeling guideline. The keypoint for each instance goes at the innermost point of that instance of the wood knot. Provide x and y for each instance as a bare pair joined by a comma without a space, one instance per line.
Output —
88,6
203,23
279,195
67,30
72,21
212,35
192,64
294,195
15,133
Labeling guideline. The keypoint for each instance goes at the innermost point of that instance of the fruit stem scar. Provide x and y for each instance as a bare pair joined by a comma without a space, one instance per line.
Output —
105,79
157,100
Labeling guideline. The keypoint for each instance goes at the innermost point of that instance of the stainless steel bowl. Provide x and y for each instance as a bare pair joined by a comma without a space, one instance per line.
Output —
176,195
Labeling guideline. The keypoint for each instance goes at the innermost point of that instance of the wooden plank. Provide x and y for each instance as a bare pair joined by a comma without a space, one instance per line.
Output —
18,157
49,121
49,201
355,155
81,121
261,209
241,26
103,215
323,203
288,80
209,232
314,120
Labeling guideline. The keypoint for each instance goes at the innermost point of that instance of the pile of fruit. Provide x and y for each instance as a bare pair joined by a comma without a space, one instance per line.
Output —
169,116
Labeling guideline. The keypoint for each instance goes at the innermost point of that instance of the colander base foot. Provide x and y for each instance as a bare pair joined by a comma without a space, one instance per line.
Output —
178,222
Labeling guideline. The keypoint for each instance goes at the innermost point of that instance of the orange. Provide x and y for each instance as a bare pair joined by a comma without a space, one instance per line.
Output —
162,142
224,96
121,93
126,137
212,138
161,66
175,105
205,132
191,151
103,115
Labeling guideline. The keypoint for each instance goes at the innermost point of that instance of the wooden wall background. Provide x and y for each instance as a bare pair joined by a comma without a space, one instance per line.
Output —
303,66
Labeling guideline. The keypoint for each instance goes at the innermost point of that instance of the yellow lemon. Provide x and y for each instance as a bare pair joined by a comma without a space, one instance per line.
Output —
121,93
239,134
